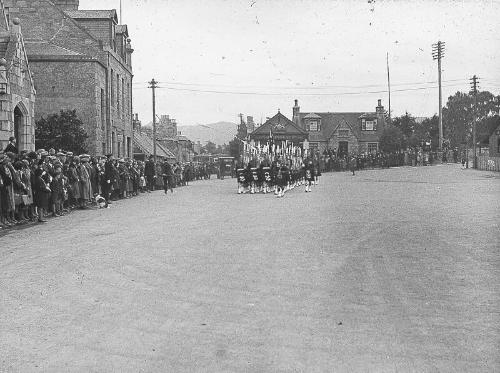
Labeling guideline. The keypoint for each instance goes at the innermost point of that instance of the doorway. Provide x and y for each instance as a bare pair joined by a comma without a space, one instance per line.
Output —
343,148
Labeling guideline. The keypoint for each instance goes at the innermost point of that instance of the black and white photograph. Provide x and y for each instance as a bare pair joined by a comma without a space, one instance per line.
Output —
254,186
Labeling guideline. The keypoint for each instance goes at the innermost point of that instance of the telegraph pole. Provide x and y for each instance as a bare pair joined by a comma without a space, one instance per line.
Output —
389,87
474,84
153,85
437,54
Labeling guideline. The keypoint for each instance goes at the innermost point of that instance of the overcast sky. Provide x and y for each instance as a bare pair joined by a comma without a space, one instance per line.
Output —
330,55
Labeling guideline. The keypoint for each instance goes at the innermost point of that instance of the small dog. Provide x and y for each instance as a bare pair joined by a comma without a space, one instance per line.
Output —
101,202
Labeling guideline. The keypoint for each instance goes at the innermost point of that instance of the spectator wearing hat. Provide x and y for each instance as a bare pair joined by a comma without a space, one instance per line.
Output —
8,201
19,191
107,178
57,192
11,146
85,186
74,182
124,178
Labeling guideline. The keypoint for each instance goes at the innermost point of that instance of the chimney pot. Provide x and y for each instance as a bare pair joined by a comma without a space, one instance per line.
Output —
296,102
379,102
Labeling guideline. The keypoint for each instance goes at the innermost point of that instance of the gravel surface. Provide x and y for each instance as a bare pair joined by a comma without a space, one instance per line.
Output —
388,271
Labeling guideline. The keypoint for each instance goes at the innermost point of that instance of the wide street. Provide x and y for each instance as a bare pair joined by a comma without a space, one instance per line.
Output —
388,271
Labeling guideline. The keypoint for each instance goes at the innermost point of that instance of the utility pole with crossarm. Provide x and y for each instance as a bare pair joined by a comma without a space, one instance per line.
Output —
437,54
474,86
153,85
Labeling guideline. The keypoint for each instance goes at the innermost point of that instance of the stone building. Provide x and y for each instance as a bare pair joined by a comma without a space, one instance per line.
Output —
345,132
81,59
17,92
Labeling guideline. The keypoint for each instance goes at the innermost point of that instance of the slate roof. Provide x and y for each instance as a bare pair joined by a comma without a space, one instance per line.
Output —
273,124
45,48
330,122
92,14
145,144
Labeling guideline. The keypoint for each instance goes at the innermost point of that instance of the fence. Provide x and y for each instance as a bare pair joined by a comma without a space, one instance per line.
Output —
487,163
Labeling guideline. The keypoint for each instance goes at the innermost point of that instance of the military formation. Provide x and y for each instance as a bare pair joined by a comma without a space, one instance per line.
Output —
277,176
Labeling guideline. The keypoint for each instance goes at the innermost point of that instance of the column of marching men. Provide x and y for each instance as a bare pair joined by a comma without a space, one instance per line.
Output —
37,185
277,176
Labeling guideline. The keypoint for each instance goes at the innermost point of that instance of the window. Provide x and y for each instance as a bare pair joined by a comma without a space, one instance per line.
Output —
313,125
118,94
123,97
343,133
372,147
104,148
112,88
128,99
369,125
103,109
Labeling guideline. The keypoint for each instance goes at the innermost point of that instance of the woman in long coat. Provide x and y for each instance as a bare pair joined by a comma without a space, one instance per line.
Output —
74,180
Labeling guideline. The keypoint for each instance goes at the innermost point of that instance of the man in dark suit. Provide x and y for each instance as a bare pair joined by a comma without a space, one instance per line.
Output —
150,173
108,177
11,146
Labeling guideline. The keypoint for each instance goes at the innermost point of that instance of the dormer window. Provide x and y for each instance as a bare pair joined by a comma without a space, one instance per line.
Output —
368,124
312,123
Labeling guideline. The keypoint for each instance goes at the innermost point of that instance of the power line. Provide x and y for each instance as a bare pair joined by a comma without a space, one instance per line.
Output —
298,87
301,94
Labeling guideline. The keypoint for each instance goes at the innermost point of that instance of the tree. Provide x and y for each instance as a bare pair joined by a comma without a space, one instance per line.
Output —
209,148
458,115
406,123
63,131
427,130
391,139
234,148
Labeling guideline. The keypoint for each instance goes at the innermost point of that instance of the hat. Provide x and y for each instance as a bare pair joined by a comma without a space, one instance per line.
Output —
52,151
61,154
69,154
12,138
39,151
109,155
32,155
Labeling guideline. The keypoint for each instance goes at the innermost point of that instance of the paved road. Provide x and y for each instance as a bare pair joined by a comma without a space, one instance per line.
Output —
388,271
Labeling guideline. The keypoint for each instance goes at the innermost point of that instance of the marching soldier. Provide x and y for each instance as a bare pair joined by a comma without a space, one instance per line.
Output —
309,174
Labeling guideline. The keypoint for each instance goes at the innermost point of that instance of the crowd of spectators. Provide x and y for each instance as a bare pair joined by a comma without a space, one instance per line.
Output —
331,160
42,184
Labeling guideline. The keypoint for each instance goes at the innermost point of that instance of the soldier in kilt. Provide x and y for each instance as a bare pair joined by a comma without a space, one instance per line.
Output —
309,174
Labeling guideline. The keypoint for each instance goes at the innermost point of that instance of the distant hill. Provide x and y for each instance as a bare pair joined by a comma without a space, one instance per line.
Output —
219,133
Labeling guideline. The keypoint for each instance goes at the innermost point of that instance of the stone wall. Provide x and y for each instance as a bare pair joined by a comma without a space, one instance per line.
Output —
71,85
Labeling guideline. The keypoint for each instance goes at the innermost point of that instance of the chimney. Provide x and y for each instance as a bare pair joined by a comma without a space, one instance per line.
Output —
67,4
296,110
380,109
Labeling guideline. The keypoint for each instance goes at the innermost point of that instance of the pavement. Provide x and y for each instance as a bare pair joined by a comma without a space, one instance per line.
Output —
392,270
